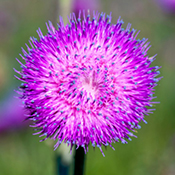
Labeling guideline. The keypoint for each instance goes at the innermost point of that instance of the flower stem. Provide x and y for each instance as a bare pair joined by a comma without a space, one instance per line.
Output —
79,161
61,169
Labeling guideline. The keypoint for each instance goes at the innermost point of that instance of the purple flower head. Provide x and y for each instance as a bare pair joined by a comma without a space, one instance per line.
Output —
167,5
78,5
11,114
87,82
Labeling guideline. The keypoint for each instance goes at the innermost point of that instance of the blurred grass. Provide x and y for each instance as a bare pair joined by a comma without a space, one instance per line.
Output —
21,154
151,153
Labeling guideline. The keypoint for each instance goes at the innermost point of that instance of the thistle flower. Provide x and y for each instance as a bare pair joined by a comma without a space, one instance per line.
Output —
11,114
87,82
167,5
78,5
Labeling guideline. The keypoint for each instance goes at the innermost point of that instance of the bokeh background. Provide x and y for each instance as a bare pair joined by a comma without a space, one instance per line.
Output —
152,153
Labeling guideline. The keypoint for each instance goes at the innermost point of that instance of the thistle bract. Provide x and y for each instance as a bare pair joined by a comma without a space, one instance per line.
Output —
87,82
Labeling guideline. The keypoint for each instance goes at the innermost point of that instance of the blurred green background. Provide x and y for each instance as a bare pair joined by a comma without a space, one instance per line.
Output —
153,152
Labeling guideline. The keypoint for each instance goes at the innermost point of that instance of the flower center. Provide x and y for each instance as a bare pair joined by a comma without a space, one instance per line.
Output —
90,84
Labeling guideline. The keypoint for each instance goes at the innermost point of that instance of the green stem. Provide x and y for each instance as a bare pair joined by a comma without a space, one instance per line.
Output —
79,161
61,169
